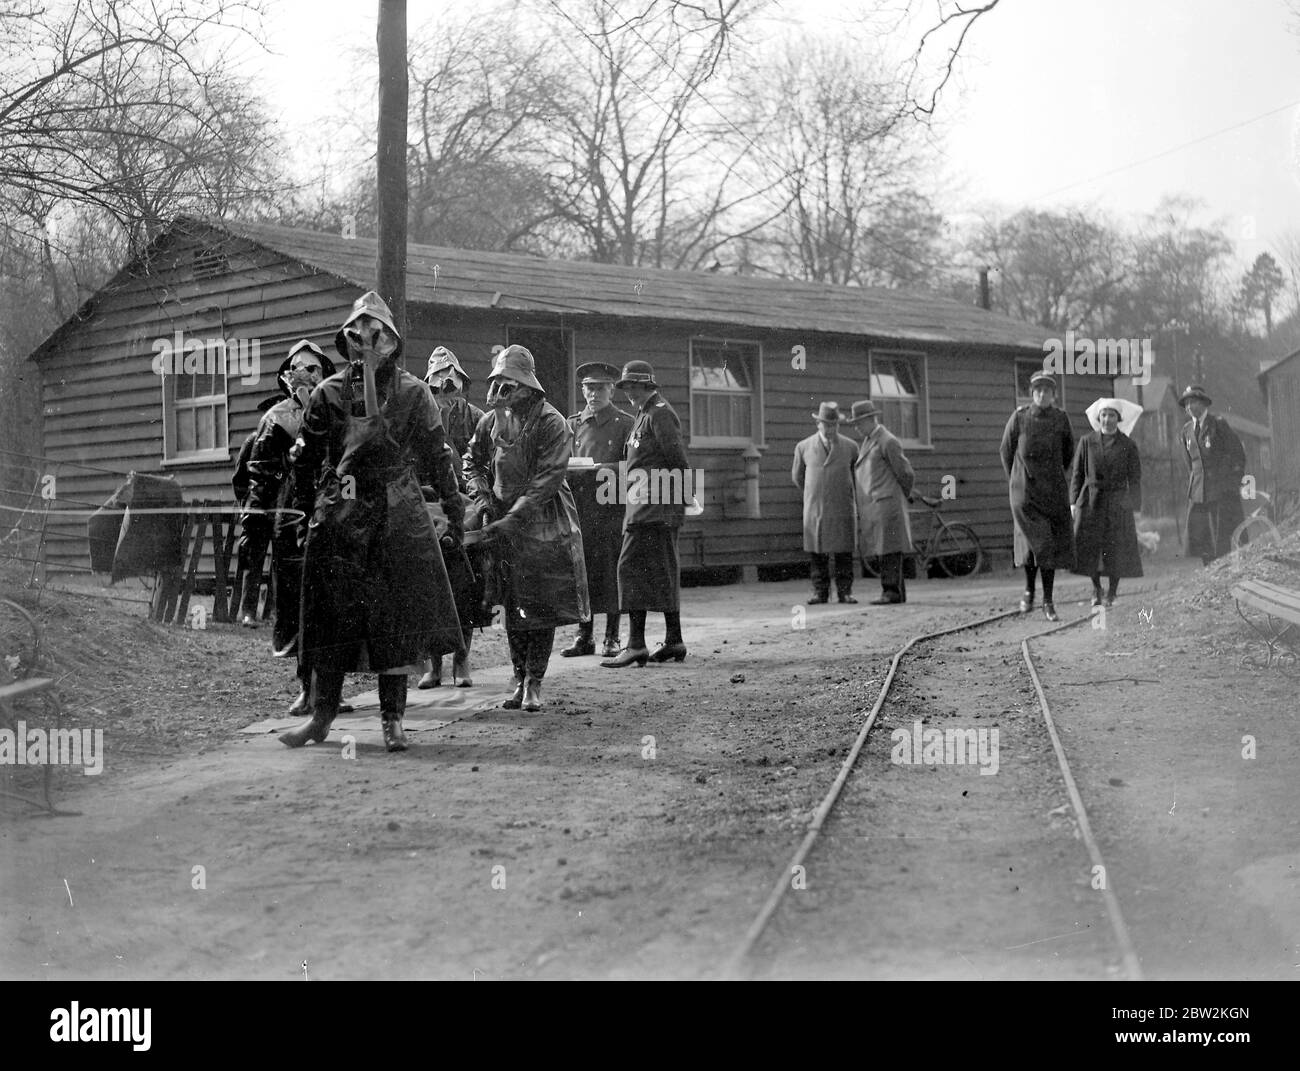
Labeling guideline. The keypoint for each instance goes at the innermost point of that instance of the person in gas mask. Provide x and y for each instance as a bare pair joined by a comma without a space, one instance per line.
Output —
375,594
449,381
266,468
515,467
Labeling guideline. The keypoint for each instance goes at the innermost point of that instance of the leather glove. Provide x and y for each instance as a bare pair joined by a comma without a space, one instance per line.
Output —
506,527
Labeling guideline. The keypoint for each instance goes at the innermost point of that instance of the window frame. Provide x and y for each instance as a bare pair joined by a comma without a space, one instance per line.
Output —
171,407
755,351
921,364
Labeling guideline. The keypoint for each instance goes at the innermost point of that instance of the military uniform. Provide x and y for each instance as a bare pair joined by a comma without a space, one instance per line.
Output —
602,436
1216,462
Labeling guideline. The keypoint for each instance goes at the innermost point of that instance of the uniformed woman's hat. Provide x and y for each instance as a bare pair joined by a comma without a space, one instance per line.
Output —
597,372
1194,391
326,365
862,410
827,411
441,362
639,373
1128,413
516,364
368,304
1042,379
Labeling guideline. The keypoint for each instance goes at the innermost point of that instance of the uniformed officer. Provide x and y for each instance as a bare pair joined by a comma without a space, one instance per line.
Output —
600,433
657,473
1216,463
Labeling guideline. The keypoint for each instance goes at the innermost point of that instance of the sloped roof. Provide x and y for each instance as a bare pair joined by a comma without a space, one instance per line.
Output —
463,278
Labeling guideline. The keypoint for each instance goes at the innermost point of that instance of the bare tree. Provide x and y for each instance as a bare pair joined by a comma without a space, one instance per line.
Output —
826,138
127,106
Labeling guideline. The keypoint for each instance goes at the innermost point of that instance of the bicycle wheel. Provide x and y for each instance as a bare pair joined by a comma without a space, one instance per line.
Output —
957,550
1255,529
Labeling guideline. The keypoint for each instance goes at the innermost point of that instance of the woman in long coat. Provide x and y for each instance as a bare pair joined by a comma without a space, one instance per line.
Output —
515,468
1105,492
375,594
1037,451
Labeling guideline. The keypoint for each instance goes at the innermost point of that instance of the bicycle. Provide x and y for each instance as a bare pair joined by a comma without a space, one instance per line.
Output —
1260,527
952,546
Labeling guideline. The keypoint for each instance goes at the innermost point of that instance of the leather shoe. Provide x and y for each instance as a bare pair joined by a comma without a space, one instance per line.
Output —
315,729
1026,602
249,621
460,671
431,679
610,648
817,600
1049,612
345,708
665,651
578,648
627,656
517,699
394,734
532,695
847,598
300,704
885,600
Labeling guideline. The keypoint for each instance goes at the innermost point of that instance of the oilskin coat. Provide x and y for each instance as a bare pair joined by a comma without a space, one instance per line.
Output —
601,436
1106,485
1037,451
375,592
519,462
884,479
826,478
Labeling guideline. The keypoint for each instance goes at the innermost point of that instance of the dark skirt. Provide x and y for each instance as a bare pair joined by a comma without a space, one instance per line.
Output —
602,543
649,575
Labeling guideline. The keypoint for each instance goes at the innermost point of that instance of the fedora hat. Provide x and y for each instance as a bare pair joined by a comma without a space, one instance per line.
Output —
1128,413
441,362
368,304
597,372
639,373
827,411
516,364
326,365
1194,391
863,409
1043,379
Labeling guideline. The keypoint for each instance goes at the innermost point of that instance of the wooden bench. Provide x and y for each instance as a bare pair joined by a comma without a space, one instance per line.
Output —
1278,624
20,636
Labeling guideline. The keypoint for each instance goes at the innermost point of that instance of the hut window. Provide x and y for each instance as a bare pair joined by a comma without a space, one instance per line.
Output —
724,394
194,402
898,387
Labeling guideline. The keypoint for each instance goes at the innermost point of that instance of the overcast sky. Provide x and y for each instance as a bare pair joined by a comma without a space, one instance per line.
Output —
1111,103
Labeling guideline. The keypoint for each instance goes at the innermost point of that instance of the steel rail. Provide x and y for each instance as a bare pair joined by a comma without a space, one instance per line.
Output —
734,967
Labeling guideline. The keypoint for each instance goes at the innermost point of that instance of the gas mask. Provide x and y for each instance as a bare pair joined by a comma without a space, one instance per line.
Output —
369,339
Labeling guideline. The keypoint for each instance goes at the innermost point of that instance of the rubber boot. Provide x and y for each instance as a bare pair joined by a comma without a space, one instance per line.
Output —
327,690
392,708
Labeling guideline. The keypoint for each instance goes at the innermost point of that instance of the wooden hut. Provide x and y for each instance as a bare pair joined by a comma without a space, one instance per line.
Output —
745,362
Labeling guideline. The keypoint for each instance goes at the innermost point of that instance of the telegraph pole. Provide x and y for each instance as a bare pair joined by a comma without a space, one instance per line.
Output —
390,264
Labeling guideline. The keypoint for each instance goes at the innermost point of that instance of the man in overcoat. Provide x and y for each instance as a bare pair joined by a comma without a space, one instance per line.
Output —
375,594
823,471
883,480
1216,461
1037,451
600,434
649,572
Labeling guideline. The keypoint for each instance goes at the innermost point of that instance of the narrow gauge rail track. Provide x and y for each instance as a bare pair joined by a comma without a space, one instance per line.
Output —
742,961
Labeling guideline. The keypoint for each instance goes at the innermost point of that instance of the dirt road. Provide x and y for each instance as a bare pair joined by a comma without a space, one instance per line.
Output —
633,827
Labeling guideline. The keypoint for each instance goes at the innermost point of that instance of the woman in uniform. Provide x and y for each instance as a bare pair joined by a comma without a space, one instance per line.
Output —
1037,451
1105,492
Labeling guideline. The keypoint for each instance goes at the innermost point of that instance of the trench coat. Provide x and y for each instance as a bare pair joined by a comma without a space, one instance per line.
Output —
375,593
517,466
826,479
1037,451
602,437
1216,463
883,480
1106,485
